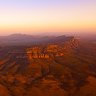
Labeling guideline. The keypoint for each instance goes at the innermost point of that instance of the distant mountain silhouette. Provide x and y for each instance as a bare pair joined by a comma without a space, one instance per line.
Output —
24,39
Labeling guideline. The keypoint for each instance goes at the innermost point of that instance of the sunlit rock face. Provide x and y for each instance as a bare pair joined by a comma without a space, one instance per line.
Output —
52,50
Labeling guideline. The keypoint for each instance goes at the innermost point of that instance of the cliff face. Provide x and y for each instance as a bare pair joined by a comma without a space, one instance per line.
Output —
52,50
45,53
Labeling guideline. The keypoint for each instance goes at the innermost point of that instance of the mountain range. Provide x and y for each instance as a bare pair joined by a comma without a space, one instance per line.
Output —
47,66
23,39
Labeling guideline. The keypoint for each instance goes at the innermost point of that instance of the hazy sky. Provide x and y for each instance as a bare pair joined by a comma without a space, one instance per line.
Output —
39,16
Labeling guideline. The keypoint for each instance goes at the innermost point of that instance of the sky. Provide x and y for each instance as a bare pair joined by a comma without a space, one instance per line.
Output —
47,16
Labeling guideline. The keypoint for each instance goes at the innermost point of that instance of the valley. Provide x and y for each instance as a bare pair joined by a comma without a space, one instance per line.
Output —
63,67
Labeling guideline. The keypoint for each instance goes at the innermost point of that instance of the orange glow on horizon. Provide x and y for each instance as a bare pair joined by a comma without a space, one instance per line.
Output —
51,19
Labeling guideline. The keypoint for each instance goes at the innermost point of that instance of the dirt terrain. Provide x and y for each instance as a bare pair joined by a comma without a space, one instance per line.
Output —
63,68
